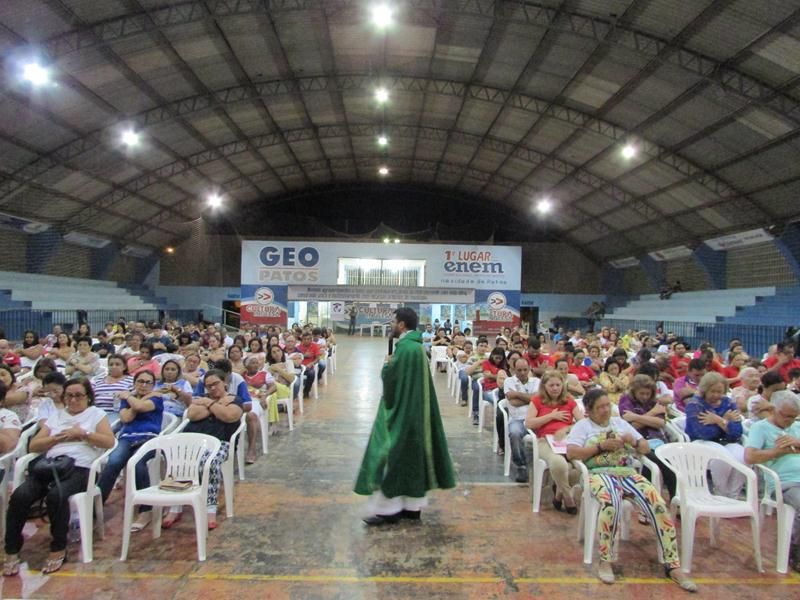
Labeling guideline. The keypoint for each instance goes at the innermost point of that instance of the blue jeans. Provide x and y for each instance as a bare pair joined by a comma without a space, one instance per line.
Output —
118,460
516,433
465,382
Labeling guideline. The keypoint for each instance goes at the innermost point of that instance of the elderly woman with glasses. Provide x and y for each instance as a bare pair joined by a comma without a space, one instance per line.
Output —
81,432
216,414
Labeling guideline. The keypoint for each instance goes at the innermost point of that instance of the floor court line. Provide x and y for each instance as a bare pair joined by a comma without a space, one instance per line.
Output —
788,580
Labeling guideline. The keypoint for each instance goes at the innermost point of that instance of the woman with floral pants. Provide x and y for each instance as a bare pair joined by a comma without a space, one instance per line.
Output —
608,447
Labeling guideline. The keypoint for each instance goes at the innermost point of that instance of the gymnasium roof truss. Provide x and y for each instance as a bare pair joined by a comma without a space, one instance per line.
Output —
503,101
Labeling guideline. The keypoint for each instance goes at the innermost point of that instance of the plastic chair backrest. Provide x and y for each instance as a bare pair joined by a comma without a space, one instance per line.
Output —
690,463
183,453
438,353
168,422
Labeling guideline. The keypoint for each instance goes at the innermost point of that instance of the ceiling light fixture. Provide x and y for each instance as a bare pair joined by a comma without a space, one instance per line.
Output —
628,151
169,250
382,95
214,201
35,74
544,206
382,16
383,141
383,171
130,138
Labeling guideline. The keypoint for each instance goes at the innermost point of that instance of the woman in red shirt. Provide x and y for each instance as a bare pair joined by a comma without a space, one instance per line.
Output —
553,412
679,361
491,369
731,372
582,371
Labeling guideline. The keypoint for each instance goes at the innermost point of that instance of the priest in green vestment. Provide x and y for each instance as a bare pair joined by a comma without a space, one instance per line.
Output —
407,451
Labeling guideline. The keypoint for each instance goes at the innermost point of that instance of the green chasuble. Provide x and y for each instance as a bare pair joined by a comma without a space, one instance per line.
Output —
407,450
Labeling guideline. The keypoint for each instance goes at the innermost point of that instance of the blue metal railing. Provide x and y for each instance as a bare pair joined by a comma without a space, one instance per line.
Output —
756,338
15,321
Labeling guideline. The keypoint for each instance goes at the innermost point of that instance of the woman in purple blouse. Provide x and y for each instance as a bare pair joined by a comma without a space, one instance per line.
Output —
641,409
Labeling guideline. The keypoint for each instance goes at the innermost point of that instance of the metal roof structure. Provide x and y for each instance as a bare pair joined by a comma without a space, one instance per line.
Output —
506,102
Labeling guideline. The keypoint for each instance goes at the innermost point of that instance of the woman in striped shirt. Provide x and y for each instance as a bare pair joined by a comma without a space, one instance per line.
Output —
107,387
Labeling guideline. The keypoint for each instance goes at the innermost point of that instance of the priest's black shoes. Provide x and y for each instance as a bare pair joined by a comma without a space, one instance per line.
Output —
377,520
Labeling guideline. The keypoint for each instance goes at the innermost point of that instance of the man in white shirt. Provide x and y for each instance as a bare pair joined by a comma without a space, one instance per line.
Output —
427,338
519,390
226,339
576,339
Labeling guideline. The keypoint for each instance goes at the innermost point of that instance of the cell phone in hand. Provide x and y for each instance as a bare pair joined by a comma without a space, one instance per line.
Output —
391,345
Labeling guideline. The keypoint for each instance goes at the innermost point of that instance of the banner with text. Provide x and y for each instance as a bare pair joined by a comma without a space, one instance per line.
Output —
308,271
381,294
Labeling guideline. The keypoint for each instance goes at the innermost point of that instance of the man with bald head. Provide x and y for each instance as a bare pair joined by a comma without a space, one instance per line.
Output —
519,390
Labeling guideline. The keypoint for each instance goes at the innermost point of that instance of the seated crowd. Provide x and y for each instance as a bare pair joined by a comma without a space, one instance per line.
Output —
81,392
611,396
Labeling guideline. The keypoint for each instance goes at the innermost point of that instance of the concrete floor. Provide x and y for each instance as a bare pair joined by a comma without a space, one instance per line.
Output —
297,531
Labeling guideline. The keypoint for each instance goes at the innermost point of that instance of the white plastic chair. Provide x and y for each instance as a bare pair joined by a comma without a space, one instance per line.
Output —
235,453
482,406
675,433
689,462
438,356
7,463
590,509
263,422
315,385
300,391
169,423
87,505
503,408
182,454
332,360
288,403
452,379
538,465
773,499
539,470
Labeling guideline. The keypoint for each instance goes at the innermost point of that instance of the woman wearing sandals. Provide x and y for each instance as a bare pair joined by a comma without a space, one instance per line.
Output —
553,412
141,412
81,432
218,415
608,445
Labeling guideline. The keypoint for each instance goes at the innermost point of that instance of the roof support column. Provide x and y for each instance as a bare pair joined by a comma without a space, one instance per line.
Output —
612,281
714,265
655,270
145,270
102,259
789,245
41,248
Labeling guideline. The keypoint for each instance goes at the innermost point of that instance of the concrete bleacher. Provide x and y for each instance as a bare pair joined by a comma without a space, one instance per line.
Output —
779,309
707,306
49,292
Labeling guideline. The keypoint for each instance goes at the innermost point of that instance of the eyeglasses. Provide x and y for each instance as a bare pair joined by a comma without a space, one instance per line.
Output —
77,396
145,381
